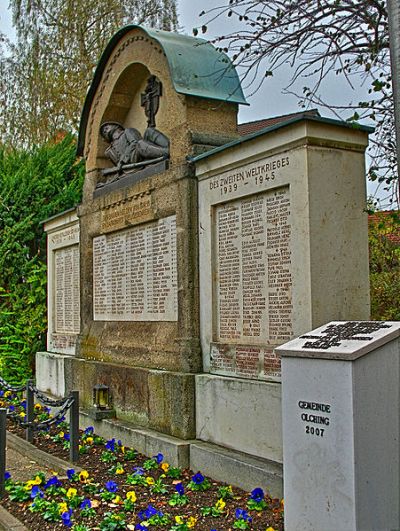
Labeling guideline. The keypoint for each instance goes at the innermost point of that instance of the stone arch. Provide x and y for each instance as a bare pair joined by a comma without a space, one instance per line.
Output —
124,105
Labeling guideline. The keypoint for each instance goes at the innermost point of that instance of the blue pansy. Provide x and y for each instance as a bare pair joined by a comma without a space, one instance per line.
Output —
66,518
53,482
198,478
36,492
138,471
111,486
67,436
148,513
86,504
70,473
159,458
180,489
244,515
257,495
110,445
7,475
89,430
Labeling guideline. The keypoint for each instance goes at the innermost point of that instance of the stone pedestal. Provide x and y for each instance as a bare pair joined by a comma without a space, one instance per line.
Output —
340,408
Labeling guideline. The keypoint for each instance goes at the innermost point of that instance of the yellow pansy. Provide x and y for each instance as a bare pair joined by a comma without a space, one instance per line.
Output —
150,480
270,529
119,470
22,414
179,519
37,406
29,484
89,440
7,394
122,448
165,467
83,475
71,492
117,499
220,505
131,496
61,434
62,507
191,522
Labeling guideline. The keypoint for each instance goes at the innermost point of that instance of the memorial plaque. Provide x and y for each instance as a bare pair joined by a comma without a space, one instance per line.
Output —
67,291
135,274
253,286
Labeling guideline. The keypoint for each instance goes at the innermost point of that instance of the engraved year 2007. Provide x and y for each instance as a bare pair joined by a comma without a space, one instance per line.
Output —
311,430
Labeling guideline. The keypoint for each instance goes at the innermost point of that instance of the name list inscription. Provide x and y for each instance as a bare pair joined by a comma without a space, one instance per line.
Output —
135,274
254,280
67,296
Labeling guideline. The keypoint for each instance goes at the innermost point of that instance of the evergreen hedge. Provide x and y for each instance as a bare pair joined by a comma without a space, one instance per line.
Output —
34,185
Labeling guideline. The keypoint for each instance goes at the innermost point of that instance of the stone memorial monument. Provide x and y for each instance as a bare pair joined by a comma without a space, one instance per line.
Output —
200,252
282,248
340,387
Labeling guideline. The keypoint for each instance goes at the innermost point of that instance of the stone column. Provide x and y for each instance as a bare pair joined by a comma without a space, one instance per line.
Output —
340,408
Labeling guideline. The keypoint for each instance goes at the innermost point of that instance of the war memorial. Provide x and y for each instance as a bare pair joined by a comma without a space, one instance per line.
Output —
195,254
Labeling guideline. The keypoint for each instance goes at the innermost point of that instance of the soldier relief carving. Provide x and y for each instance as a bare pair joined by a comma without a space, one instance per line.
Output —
128,149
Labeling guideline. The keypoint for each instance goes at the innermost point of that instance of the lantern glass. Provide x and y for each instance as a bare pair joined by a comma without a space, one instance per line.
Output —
101,396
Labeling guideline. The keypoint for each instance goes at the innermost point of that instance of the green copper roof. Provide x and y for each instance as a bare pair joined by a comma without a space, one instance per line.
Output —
196,67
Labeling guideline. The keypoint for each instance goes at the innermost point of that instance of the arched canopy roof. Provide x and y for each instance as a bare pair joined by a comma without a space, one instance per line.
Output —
196,68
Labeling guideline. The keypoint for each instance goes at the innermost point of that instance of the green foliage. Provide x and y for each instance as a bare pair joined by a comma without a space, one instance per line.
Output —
384,267
34,185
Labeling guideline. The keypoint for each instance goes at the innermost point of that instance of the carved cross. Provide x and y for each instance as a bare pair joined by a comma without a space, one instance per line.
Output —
150,100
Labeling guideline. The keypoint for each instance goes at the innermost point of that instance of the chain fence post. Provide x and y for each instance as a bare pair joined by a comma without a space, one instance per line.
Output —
3,442
30,399
74,427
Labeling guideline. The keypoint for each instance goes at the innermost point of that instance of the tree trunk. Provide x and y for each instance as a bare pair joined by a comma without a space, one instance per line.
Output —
393,7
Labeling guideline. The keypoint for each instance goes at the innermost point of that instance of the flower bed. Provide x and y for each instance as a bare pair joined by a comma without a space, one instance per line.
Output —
119,488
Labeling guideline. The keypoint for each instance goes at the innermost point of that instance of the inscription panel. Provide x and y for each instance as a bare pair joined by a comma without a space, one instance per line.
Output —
253,283
253,288
67,291
135,274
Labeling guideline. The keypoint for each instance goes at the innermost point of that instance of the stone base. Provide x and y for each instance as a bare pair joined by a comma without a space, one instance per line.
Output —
244,415
154,399
101,414
236,468
145,441
222,464
50,373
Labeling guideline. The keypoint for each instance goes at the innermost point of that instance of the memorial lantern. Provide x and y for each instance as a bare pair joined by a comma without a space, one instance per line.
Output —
101,396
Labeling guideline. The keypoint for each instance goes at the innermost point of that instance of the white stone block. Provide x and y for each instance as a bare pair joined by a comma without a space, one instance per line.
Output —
50,374
340,410
244,415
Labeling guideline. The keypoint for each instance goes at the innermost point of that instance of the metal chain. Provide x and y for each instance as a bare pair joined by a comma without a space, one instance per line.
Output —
9,387
44,399
46,423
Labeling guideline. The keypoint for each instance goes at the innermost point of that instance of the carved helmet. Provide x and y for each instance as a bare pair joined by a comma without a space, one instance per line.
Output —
107,132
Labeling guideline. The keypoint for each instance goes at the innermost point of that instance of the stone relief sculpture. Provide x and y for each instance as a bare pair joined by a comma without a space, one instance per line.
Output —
128,149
